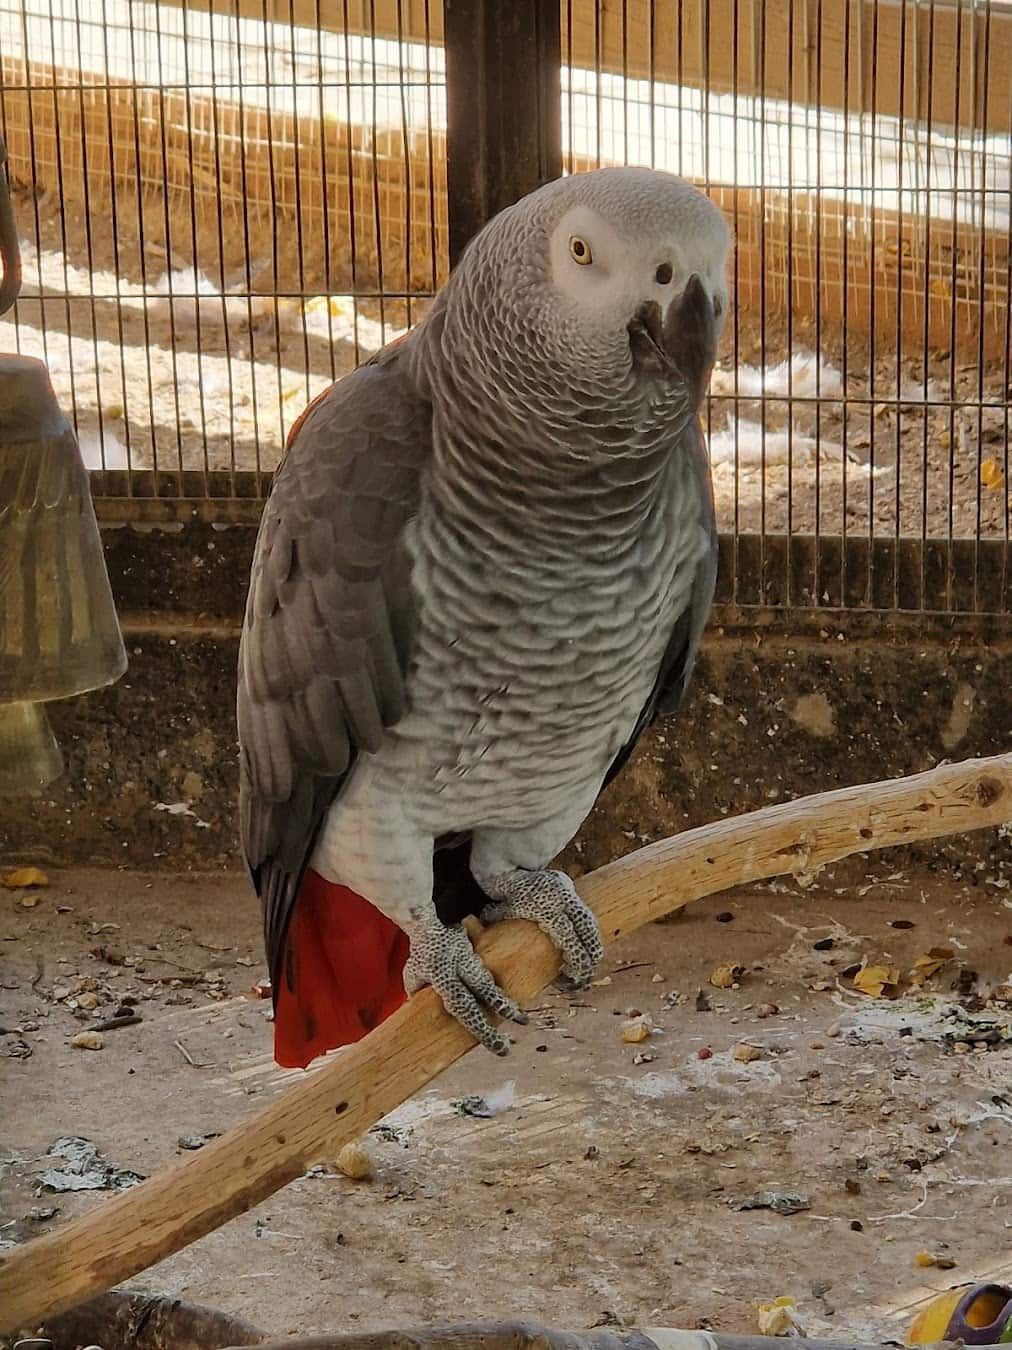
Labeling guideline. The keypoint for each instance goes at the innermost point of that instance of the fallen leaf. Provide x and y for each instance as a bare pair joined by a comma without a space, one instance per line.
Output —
930,963
991,474
24,876
878,981
726,976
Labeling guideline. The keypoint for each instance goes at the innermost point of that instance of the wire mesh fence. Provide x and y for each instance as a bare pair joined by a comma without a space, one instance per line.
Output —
228,203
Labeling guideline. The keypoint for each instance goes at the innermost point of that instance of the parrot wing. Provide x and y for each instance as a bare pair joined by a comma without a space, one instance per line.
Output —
328,620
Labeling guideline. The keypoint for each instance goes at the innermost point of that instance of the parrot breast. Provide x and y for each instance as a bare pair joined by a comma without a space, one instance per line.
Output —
532,666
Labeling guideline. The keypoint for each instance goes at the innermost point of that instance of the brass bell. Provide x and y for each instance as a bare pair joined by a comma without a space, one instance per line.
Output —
59,634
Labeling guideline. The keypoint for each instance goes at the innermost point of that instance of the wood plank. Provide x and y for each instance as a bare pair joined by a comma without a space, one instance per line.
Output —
952,62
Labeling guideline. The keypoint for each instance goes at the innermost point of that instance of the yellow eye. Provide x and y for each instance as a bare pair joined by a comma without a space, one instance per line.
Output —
579,250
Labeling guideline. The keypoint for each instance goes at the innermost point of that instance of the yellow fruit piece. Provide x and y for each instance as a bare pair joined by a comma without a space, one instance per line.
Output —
745,1053
924,1259
637,1029
24,876
353,1161
877,981
726,976
991,474
930,963
88,1040
777,1318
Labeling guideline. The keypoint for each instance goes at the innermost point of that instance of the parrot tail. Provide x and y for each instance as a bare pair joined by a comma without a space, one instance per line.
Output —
341,972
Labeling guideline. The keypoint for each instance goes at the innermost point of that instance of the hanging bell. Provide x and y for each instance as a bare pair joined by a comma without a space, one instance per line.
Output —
59,634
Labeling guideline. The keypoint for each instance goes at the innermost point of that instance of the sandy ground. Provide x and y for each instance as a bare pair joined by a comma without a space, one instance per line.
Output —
201,349
606,1187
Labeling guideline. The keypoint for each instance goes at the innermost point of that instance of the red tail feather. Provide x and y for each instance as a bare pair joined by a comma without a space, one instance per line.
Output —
341,972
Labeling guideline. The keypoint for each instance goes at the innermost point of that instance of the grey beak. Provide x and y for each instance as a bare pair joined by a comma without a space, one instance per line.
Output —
682,345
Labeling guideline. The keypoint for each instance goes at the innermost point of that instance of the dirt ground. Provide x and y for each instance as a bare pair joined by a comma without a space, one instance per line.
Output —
607,1185
808,430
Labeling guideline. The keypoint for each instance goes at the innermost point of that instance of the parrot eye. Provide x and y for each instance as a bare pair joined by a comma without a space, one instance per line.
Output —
664,274
579,250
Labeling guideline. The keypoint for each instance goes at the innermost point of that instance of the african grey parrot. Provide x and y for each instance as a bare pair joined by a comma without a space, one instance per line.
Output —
484,567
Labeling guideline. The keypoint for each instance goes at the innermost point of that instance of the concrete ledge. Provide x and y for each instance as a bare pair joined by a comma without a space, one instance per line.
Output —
784,703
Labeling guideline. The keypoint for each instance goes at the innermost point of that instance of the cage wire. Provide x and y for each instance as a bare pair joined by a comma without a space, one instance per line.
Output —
227,206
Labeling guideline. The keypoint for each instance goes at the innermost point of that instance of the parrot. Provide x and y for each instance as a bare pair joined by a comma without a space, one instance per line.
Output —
484,567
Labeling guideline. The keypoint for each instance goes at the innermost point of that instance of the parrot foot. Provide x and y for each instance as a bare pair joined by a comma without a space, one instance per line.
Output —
441,955
549,899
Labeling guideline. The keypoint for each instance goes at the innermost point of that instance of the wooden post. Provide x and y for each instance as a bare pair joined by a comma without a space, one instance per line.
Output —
504,107
358,1086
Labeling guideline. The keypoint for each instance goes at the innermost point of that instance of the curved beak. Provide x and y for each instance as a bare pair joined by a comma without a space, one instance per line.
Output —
681,345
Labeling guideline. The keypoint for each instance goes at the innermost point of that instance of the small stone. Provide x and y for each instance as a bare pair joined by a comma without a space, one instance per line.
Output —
656,978
704,1052
87,1000
767,1010
825,944
833,1030
856,1226
87,1040
725,916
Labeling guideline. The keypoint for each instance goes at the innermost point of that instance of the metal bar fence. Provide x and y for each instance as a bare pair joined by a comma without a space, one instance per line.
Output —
226,204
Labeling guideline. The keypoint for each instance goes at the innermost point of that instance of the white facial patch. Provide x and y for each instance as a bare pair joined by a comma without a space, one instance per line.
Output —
608,274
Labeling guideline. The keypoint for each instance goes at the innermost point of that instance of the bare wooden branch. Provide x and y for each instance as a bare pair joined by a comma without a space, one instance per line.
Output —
357,1087
147,1322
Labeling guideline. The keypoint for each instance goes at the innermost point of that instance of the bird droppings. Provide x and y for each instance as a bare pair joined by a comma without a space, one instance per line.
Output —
780,1202
82,1168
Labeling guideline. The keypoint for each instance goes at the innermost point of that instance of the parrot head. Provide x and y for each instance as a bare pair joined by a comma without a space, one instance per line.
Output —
597,296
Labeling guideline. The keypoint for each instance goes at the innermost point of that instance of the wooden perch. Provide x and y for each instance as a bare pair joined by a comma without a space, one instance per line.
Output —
357,1087
153,1322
